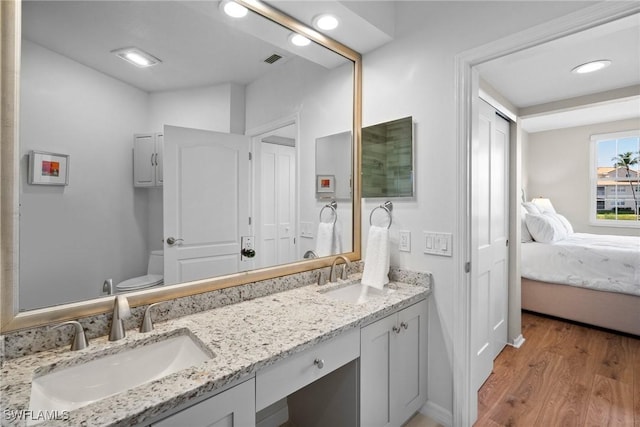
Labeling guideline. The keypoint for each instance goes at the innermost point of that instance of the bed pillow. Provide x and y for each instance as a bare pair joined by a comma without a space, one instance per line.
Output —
563,220
531,208
525,235
545,228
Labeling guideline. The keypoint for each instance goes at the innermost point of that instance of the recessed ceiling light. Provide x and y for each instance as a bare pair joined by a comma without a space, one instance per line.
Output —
137,57
326,22
233,9
299,40
591,66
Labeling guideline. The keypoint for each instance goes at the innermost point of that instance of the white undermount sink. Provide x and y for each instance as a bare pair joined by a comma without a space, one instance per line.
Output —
352,293
79,385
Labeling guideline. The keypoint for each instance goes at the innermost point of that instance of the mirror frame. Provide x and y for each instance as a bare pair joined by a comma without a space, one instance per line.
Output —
11,318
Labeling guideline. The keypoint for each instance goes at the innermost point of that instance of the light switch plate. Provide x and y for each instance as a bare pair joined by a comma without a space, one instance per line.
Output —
438,243
306,230
404,244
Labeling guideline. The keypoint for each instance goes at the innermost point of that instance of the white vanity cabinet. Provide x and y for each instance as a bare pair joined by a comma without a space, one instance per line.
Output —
147,159
234,407
393,367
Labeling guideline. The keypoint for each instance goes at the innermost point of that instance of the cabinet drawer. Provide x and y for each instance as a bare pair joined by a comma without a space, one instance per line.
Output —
288,375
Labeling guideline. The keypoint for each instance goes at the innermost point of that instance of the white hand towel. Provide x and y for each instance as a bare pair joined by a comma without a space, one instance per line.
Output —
376,263
336,246
324,239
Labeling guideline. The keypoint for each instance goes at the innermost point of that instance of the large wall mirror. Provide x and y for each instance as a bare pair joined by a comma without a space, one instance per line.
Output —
190,174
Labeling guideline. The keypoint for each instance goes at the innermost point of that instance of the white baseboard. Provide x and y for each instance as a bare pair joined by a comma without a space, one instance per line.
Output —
437,413
518,341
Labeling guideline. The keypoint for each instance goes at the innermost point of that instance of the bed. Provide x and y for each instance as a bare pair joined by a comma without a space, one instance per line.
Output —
588,278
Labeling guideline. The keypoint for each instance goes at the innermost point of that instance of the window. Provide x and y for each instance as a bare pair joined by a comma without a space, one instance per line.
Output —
615,179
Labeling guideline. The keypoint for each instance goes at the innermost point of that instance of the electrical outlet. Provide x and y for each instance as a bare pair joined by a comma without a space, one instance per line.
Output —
405,241
247,242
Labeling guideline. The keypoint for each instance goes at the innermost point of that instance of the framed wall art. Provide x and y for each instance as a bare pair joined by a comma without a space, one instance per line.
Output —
325,183
48,168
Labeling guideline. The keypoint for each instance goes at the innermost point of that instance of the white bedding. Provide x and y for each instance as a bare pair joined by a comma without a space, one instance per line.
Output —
602,262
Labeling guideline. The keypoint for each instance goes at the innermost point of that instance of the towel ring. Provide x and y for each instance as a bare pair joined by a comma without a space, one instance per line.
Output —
388,207
333,205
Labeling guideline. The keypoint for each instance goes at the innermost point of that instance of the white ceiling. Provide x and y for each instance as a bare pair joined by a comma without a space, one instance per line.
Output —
542,75
198,45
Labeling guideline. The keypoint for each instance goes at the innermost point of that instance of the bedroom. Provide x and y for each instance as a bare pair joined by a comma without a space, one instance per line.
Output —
573,133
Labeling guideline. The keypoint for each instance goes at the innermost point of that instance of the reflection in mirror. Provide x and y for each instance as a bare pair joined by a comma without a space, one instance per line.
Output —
162,188
387,159
333,161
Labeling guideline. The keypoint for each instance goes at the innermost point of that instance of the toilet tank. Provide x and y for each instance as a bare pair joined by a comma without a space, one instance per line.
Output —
156,263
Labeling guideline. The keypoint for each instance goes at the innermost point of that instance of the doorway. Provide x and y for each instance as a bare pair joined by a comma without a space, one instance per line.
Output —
467,87
274,162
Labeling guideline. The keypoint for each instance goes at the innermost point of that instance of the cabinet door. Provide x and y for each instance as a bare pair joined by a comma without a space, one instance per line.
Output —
409,362
393,367
376,344
144,171
232,408
159,159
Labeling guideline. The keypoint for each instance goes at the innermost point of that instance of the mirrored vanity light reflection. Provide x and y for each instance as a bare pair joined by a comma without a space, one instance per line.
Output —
100,226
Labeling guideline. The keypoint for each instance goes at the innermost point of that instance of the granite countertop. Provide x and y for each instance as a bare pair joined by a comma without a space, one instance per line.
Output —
244,338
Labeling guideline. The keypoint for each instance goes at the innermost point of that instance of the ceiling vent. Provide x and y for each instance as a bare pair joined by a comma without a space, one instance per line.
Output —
273,58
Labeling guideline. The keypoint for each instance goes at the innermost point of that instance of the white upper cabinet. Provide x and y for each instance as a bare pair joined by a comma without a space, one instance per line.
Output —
147,159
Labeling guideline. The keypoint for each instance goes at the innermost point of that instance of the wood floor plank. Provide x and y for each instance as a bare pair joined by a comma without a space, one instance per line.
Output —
618,361
610,403
511,361
518,406
567,403
565,374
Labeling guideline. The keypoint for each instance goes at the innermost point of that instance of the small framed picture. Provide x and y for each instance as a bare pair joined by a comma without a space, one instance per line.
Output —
48,168
325,183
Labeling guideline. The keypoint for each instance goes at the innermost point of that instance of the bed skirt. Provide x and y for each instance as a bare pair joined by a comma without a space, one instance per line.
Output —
611,310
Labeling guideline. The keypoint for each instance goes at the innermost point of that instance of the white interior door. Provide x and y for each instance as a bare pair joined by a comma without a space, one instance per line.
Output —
277,216
490,228
206,203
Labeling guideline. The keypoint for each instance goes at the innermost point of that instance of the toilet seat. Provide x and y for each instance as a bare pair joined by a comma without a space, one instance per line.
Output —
141,282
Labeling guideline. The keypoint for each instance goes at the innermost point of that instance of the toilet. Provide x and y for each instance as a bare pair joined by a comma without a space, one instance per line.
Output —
154,276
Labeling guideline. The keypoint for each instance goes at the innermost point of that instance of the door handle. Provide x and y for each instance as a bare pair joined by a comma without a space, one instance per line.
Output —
248,253
172,241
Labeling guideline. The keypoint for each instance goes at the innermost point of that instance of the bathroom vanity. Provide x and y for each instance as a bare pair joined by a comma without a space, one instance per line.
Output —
362,363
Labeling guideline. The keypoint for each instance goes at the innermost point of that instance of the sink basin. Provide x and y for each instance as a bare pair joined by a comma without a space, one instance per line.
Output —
351,293
79,385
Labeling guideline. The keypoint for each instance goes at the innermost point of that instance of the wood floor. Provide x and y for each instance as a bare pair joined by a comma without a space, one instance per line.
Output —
563,375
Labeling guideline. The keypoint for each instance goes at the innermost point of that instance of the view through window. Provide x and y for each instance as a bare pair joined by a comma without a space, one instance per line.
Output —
617,172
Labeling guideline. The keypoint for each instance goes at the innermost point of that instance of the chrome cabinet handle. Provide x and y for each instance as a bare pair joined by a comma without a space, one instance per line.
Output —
396,329
319,363
404,325
172,241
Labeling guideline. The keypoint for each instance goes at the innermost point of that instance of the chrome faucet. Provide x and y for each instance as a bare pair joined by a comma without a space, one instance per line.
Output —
121,311
322,280
333,275
79,341
147,323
